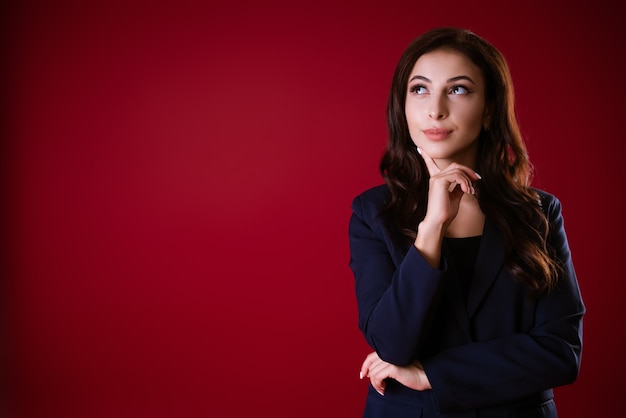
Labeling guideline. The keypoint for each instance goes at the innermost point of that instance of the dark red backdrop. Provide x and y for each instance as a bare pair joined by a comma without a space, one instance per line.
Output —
178,180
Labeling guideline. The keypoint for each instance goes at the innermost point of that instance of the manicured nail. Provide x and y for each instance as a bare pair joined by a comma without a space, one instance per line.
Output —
419,150
361,375
478,175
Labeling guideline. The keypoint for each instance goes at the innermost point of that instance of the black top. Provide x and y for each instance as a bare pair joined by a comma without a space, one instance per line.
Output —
464,252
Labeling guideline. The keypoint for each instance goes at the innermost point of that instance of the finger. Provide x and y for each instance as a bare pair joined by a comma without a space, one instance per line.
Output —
453,186
380,391
463,183
367,363
430,163
459,175
434,169
364,370
471,174
378,386
378,375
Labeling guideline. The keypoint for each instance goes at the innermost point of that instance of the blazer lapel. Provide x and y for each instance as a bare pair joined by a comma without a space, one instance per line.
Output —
488,265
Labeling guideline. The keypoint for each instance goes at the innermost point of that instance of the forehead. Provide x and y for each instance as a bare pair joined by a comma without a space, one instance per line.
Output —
443,64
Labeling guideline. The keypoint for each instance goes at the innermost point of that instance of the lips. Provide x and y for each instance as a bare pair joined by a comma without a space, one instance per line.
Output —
437,134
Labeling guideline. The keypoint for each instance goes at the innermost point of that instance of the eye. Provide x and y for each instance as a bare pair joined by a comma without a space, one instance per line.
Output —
418,89
461,90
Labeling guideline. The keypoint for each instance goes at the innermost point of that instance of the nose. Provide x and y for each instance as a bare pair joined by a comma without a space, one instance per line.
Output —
437,115
437,110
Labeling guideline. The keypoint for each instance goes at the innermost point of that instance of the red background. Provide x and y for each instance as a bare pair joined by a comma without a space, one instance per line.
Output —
178,179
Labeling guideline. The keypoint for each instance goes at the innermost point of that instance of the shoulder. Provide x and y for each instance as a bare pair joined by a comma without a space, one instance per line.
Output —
369,203
550,204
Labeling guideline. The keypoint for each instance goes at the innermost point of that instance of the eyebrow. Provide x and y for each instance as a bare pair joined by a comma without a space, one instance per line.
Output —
450,80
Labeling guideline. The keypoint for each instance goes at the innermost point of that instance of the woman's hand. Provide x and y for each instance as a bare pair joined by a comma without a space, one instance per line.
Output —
377,370
445,190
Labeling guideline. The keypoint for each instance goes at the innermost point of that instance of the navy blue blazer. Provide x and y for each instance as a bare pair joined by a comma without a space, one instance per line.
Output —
493,353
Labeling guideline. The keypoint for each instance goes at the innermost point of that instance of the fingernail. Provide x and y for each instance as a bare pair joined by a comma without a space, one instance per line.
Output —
478,175
419,150
361,375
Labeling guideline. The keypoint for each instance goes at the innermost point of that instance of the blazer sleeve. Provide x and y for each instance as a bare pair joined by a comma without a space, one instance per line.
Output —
395,303
504,369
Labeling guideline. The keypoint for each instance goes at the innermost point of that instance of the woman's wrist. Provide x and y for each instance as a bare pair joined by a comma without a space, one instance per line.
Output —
428,241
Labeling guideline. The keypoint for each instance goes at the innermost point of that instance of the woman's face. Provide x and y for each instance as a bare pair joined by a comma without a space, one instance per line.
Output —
445,107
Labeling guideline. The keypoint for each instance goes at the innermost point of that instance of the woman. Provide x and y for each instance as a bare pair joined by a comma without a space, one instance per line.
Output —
464,279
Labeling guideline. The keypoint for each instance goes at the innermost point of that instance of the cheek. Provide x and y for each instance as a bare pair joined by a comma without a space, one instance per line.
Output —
414,129
413,123
473,119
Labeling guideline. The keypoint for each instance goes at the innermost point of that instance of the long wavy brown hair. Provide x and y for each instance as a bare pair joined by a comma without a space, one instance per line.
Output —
505,194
